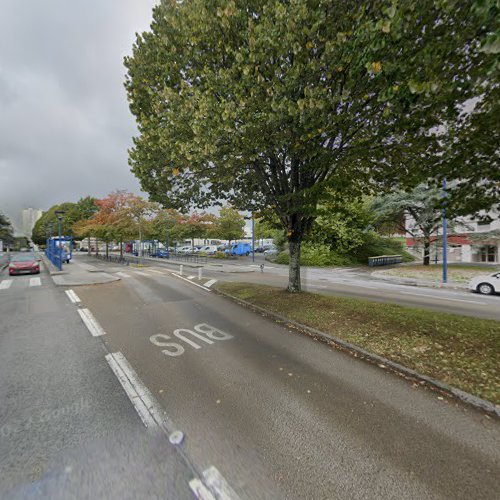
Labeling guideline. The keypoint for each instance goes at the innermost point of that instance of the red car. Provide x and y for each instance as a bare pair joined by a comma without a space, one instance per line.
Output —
24,263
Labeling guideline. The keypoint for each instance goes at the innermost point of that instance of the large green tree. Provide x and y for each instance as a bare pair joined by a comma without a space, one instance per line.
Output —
6,231
272,104
229,225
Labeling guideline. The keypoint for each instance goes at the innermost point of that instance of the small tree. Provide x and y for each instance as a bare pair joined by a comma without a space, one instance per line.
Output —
193,226
415,212
229,225
6,231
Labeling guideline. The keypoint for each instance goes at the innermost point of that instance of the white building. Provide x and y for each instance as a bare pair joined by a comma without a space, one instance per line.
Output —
469,240
29,218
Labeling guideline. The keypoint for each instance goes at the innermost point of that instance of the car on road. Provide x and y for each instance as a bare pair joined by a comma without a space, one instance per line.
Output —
486,284
24,263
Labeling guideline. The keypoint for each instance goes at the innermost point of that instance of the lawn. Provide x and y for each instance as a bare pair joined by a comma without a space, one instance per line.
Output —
460,351
456,272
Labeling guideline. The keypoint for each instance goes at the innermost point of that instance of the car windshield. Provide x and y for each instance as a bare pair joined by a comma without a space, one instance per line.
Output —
23,258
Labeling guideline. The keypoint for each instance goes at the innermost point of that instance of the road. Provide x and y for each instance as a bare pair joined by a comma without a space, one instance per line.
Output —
276,413
359,284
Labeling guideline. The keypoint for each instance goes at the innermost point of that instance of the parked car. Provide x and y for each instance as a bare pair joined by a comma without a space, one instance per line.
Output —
161,253
184,249
271,251
24,263
208,249
486,284
239,249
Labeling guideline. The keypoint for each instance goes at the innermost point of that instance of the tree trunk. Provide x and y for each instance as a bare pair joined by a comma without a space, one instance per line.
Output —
88,245
294,244
96,247
107,249
121,249
427,250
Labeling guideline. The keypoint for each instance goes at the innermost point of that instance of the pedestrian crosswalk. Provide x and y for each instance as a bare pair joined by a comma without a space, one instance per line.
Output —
20,282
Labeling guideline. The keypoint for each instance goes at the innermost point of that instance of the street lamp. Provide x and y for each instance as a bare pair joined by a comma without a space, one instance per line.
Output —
59,215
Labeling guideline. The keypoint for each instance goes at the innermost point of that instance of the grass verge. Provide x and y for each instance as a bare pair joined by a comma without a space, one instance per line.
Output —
456,273
460,351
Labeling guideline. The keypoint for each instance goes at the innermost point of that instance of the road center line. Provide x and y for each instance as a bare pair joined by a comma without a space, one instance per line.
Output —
5,284
443,298
72,296
35,281
192,283
91,323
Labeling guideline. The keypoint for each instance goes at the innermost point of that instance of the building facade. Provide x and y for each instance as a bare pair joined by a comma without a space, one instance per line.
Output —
470,240
29,218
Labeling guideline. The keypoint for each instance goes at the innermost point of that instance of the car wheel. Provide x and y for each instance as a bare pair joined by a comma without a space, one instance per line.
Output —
485,289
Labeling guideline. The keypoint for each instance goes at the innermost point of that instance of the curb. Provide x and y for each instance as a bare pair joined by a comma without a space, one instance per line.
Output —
358,352
53,271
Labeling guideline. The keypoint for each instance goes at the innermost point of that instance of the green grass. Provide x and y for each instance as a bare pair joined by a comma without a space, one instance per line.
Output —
456,272
460,351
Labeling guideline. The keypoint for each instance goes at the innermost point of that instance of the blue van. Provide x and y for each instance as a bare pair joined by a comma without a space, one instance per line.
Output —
239,249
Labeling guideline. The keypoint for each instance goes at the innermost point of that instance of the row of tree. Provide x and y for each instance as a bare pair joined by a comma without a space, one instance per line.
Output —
282,107
123,216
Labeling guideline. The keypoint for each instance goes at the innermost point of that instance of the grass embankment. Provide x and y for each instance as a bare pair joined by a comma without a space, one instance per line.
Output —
457,273
457,350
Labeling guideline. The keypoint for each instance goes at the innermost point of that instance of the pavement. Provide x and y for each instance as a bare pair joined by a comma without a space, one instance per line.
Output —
263,410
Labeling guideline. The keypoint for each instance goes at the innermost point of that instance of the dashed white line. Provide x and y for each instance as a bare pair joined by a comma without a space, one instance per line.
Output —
216,482
140,273
91,323
5,284
155,271
190,277
200,491
35,281
192,283
208,284
144,403
123,275
72,296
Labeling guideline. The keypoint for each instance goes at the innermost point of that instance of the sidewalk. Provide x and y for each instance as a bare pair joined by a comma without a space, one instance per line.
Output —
379,275
77,273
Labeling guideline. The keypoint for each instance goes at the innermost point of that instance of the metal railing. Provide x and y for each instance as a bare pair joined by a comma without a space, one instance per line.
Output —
384,260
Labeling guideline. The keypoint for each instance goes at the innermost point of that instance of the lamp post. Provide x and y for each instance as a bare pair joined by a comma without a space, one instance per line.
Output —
253,238
445,236
59,214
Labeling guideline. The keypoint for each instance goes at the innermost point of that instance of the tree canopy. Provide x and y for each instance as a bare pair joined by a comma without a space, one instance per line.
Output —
275,105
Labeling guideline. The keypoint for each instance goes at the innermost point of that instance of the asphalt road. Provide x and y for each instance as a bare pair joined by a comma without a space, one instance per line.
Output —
67,428
280,415
358,284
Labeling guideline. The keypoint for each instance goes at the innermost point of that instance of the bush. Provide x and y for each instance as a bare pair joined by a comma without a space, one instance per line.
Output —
315,255
377,245
220,255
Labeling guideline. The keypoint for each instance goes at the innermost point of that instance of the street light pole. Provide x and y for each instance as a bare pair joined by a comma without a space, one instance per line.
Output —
253,238
445,236
59,214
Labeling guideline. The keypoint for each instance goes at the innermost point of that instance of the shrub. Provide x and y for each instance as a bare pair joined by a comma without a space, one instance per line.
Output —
220,255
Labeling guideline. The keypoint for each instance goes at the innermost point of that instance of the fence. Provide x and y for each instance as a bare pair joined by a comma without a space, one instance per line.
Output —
385,260
130,259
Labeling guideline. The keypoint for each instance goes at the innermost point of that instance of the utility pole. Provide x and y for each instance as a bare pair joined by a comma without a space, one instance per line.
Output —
445,236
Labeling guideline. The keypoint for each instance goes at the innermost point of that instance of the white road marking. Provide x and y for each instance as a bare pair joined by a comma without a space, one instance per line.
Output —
123,275
195,284
144,403
35,281
140,273
5,284
208,284
216,482
155,271
72,296
91,323
190,277
443,298
200,491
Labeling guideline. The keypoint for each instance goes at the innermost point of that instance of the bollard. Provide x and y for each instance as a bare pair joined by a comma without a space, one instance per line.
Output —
200,269
180,269
262,268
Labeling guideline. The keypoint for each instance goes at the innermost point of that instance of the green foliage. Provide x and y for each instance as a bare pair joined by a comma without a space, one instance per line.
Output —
220,255
6,231
377,245
229,225
271,105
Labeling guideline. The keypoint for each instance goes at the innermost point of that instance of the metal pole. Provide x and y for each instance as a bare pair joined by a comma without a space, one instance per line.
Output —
445,236
60,246
253,238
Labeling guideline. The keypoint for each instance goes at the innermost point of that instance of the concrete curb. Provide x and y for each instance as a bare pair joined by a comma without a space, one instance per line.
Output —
358,352
53,271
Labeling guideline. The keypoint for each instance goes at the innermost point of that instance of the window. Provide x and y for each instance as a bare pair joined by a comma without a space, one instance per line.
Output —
488,253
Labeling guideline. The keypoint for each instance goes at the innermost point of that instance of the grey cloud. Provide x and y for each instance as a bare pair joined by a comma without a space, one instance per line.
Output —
64,120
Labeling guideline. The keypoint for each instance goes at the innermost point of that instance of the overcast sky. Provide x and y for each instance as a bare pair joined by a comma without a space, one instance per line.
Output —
64,121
